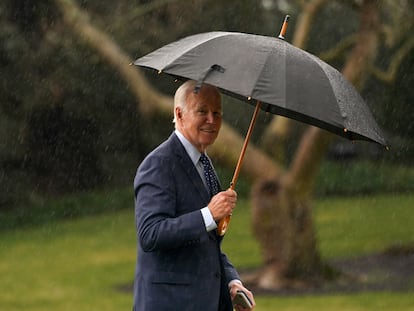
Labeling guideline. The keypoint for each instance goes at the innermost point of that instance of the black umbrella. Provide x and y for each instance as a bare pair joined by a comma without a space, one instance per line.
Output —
272,74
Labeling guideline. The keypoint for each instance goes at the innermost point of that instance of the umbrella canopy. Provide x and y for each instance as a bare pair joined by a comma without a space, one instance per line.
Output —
276,76
286,80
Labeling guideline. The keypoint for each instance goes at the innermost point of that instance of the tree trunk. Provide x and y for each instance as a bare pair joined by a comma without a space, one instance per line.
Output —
282,214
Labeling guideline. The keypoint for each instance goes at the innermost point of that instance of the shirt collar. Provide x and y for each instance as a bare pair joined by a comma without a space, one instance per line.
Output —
192,151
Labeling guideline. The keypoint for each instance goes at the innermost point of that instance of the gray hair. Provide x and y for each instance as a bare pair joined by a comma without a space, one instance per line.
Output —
180,97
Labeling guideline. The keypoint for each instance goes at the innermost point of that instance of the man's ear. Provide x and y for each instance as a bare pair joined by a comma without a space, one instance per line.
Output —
178,112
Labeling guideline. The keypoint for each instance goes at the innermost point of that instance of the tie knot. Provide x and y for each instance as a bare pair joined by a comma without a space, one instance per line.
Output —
204,159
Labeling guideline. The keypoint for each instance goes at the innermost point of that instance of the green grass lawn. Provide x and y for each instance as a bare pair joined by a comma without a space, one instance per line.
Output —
80,263
73,265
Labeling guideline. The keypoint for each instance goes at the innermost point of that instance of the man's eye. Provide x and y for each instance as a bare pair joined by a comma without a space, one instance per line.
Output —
202,112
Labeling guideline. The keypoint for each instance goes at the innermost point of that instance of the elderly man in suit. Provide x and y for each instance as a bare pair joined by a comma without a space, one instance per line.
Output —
180,265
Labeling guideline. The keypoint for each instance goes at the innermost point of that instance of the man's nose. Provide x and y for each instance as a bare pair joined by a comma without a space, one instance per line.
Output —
210,117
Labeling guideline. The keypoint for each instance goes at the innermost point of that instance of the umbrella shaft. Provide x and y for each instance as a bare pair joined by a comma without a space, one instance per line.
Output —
224,223
245,144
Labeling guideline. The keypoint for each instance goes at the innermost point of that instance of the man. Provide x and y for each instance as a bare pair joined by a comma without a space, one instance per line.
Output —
180,265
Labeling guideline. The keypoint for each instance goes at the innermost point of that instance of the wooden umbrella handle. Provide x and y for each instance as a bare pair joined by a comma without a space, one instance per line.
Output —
224,222
223,225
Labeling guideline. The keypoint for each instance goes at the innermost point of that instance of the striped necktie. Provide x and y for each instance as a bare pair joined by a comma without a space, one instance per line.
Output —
209,175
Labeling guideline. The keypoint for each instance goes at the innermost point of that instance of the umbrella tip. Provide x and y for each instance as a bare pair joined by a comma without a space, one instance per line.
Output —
284,27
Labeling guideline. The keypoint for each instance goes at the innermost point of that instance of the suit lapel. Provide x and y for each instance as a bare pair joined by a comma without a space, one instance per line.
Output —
193,175
188,167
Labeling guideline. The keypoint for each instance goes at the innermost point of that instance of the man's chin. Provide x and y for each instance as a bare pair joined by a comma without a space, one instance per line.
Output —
209,141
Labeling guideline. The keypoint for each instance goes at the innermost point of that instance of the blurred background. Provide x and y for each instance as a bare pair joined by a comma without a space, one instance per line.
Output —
74,127
69,121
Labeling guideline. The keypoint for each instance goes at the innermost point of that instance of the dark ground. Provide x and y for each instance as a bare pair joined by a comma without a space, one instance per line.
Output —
391,270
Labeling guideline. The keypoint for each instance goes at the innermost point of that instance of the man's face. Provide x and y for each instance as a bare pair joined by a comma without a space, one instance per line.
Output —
200,122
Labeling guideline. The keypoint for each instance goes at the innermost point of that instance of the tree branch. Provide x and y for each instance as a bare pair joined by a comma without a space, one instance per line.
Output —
149,100
389,75
338,50
257,164
305,20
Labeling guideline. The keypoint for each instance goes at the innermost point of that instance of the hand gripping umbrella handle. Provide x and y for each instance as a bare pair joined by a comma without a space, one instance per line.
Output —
224,223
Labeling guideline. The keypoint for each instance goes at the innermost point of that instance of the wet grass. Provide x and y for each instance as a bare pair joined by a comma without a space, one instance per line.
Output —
70,265
349,227
79,263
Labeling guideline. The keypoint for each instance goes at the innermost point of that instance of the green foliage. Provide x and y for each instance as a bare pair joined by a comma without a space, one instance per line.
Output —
14,184
63,151
363,177
58,109
42,211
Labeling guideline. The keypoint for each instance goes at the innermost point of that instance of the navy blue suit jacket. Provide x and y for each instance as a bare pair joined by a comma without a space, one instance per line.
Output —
180,265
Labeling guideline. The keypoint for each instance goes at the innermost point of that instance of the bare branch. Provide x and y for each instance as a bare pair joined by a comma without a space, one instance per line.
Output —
338,50
365,49
305,20
389,75
149,99
256,164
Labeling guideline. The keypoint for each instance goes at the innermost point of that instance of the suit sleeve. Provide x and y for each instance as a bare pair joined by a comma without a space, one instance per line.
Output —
160,224
230,271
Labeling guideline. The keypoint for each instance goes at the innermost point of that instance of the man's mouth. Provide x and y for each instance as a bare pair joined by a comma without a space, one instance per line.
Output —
210,131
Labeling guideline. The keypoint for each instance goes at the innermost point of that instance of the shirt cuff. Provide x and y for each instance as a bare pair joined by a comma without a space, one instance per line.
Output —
208,219
235,281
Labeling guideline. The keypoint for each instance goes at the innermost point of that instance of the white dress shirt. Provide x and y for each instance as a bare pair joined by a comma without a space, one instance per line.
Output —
194,155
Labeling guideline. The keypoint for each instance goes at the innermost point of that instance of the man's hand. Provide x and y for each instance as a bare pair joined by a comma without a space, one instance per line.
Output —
233,291
222,204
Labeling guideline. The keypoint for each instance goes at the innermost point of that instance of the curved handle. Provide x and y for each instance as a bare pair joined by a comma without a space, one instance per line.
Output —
223,225
224,222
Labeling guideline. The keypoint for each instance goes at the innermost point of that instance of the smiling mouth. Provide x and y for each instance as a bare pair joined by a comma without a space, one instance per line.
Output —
210,131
